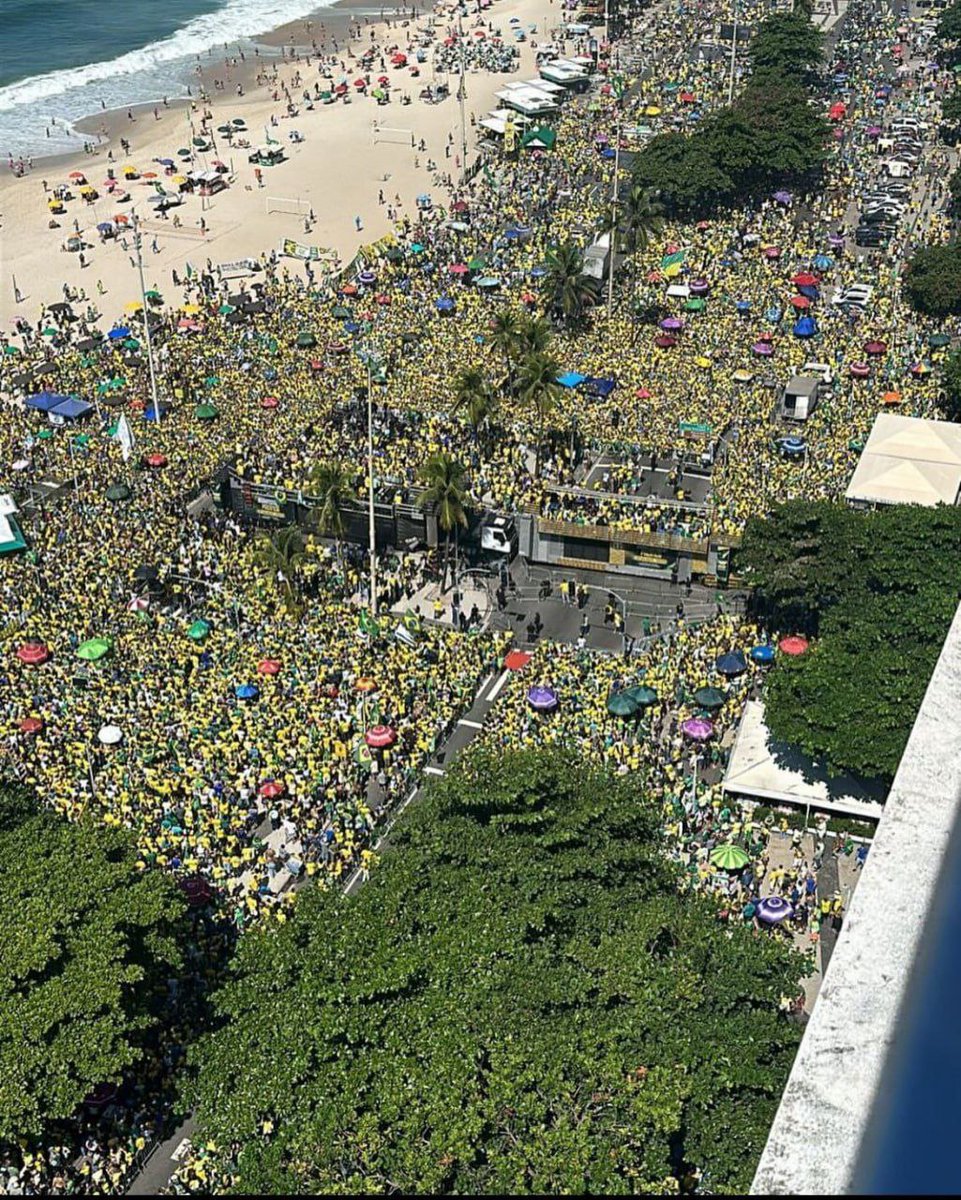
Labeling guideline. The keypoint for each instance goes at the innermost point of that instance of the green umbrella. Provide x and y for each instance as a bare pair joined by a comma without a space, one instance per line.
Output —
50,331
206,412
306,340
621,705
340,313
198,631
131,344
709,697
45,434
226,309
642,696
153,294
10,350
416,248
211,381
477,264
696,304
118,491
82,439
94,649
939,340
395,254
729,858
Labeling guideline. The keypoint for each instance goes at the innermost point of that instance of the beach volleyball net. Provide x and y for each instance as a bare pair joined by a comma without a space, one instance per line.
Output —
401,137
285,204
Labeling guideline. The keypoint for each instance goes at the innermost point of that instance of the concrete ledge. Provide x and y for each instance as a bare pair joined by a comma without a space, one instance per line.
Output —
816,1138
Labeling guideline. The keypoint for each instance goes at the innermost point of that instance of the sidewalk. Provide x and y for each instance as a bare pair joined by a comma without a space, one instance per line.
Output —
423,601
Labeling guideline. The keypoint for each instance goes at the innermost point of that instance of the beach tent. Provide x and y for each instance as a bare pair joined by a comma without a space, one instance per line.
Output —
11,537
45,401
71,409
539,139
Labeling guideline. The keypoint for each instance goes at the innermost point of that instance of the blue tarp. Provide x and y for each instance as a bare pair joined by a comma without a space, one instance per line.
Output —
570,379
599,387
70,408
45,401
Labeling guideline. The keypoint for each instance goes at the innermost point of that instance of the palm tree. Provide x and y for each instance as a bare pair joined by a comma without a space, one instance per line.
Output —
331,483
473,395
446,490
281,554
569,291
539,388
503,338
533,335
642,217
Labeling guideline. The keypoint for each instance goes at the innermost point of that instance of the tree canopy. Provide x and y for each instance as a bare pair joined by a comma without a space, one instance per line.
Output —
878,591
769,138
932,280
520,1000
87,939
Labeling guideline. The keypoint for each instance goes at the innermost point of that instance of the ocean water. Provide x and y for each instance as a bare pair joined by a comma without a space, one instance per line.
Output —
61,60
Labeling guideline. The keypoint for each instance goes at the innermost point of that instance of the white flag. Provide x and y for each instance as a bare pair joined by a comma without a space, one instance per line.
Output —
124,436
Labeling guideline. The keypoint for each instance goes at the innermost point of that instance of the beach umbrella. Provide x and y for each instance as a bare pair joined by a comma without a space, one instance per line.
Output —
197,890
119,333
772,910
516,660
729,858
621,705
31,725
794,646
709,697
206,412
805,279
247,691
698,729
859,370
94,649
772,252
823,262
699,287
444,304
271,789
733,663
920,369
542,698
110,735
874,349
800,302
672,323
762,349
762,654
889,399
379,737
805,327
664,341
268,666
117,492
198,630
269,402
139,604
33,653
938,341
643,697
695,304
156,461
792,445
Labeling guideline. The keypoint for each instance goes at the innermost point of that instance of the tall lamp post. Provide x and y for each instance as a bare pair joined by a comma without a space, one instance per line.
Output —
137,241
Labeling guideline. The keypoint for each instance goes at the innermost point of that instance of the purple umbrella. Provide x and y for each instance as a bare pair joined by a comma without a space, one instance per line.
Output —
783,197
366,277
699,729
765,349
672,323
601,139
873,131
542,699
699,287
772,910
836,240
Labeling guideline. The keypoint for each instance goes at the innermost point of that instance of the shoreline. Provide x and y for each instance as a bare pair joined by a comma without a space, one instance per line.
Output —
340,171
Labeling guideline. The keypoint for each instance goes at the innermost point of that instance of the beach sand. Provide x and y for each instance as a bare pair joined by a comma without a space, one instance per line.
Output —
338,170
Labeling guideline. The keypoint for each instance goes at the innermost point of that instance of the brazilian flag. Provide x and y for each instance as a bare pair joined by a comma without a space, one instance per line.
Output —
367,625
362,755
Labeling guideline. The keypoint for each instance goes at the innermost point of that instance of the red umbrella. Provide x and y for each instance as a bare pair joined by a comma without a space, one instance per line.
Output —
271,789
875,348
341,89
517,659
380,736
458,269
349,289
31,725
654,277
859,370
800,302
360,83
664,341
382,298
686,97
643,394
78,175
400,60
268,666
793,645
805,279
156,460
702,225
269,402
383,79
316,364
460,206
33,653
772,252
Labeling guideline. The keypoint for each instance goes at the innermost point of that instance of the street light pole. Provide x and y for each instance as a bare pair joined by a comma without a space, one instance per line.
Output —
730,83
137,241
370,487
612,251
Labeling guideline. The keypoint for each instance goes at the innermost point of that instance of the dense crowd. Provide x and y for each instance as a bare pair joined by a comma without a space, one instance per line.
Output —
264,378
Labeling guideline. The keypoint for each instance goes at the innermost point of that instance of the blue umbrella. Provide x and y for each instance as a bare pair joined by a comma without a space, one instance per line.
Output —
247,691
351,327
105,226
762,654
805,327
773,314
117,335
538,272
512,234
743,306
772,910
822,262
809,290
793,445
608,153
444,304
733,663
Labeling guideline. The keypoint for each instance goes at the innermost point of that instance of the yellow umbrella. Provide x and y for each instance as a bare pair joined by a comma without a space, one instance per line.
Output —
191,309
179,179
702,362
652,110
134,306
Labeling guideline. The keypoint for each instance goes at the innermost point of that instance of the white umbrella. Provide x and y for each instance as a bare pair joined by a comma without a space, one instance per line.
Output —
110,735
139,604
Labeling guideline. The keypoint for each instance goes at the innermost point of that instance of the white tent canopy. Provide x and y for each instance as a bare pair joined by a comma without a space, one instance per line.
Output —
773,771
908,460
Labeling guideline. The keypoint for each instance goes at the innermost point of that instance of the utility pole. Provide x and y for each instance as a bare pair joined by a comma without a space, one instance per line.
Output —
137,241
370,489
612,251
730,82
